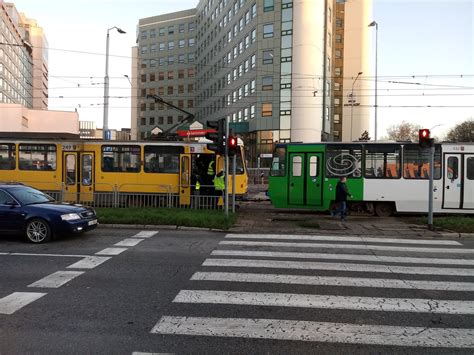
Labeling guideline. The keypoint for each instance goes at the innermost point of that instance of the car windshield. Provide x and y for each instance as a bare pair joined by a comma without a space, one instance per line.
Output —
27,195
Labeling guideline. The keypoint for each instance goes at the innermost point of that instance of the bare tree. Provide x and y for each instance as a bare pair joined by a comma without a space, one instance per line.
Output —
404,131
463,132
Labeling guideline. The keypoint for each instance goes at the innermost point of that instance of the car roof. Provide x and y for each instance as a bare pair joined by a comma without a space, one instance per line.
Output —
8,185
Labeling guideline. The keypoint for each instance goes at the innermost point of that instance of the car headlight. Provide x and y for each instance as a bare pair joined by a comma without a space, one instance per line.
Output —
70,217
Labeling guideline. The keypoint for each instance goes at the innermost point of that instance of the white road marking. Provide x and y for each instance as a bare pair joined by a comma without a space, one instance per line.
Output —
380,304
129,242
56,279
350,246
333,281
111,251
307,265
17,300
324,332
343,239
49,255
145,234
89,262
142,353
377,258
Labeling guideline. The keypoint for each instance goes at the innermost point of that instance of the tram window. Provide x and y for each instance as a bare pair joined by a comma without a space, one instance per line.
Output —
344,160
453,168
313,166
162,159
470,168
7,156
121,158
86,170
37,157
382,162
296,165
416,162
278,162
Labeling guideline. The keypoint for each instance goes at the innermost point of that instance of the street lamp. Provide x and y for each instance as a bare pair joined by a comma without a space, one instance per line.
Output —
352,99
128,78
376,25
106,83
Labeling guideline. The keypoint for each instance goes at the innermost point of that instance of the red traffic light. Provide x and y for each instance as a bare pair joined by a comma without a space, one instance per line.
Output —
232,141
424,140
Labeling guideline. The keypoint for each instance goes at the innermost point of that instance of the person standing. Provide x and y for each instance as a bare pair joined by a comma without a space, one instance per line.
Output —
219,186
341,198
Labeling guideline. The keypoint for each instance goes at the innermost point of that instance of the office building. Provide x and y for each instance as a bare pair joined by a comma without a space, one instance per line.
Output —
23,60
268,66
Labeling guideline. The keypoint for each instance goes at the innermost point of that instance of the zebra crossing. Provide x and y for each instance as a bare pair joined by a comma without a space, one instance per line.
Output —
346,290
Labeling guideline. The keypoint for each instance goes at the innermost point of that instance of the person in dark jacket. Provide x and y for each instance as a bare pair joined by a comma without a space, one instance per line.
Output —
341,198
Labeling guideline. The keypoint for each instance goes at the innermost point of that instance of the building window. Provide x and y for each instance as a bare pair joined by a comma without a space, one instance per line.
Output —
161,31
161,119
252,111
170,90
252,86
191,57
180,89
181,43
190,103
267,109
144,49
170,120
162,46
268,5
191,42
171,74
267,56
153,48
143,78
338,54
253,61
170,30
161,75
171,59
170,45
253,35
152,77
181,58
152,33
339,23
267,83
268,30
181,28
190,88
191,26
191,73
181,73
338,38
254,10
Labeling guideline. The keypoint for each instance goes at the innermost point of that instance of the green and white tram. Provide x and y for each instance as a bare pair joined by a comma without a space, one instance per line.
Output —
382,177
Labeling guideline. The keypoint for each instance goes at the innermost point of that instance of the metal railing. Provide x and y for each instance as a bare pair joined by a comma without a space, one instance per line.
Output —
122,196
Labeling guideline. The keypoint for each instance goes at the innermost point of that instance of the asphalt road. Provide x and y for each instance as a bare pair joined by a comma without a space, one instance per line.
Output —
125,291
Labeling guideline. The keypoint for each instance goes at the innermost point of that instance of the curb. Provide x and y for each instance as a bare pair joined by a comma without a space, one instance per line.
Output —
158,226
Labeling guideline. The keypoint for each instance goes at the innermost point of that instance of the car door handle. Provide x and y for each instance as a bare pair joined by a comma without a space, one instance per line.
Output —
447,187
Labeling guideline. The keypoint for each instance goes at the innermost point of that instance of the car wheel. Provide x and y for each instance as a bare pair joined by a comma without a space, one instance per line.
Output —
38,231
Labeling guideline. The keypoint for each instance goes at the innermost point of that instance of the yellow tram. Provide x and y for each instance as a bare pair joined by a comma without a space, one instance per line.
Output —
90,171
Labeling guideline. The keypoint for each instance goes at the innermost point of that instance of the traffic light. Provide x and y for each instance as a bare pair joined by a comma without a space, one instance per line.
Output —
424,140
233,147
217,137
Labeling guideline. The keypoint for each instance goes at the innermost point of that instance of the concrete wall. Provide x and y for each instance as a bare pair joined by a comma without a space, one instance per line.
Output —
308,62
17,118
357,52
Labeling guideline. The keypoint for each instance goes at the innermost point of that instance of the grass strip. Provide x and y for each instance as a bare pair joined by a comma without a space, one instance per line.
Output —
460,224
166,216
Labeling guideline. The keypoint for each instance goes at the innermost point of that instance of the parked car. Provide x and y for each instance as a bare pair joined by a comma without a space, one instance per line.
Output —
37,215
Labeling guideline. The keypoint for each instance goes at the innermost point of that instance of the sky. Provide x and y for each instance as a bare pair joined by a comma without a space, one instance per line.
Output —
425,57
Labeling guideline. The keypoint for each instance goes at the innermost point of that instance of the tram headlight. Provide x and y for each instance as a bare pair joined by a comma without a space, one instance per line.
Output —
70,217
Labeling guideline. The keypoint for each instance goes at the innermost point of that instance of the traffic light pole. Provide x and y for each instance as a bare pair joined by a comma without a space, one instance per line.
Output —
430,195
226,157
234,168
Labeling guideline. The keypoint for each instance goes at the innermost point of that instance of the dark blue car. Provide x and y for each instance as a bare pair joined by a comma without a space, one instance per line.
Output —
37,215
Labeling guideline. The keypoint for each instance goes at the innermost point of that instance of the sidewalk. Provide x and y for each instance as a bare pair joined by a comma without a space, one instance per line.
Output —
260,217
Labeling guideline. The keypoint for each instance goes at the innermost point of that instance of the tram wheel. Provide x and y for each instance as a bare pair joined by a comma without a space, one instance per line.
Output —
384,209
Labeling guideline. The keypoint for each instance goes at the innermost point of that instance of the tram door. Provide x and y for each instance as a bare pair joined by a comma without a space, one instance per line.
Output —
185,179
87,177
70,176
452,181
305,181
468,200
